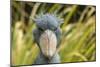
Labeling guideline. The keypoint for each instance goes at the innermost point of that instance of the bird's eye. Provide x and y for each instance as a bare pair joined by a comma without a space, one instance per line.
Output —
55,29
41,29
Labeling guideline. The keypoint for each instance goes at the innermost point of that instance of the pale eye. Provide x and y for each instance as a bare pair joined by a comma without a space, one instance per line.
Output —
41,29
55,29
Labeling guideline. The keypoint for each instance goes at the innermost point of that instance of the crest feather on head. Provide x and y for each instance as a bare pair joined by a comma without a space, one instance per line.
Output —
47,20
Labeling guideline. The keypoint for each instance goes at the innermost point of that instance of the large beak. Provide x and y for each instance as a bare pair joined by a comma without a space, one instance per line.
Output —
48,43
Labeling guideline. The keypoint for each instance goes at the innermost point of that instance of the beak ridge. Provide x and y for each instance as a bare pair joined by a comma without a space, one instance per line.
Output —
48,43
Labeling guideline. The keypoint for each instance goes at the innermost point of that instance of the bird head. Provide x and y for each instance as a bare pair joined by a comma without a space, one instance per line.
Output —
47,25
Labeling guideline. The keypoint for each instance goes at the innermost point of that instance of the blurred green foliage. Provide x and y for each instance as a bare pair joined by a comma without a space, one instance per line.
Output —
78,31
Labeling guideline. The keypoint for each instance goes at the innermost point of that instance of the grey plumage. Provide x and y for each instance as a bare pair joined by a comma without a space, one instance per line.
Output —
47,22
42,60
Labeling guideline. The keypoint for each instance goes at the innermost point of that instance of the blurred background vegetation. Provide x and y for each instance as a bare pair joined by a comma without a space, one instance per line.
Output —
78,31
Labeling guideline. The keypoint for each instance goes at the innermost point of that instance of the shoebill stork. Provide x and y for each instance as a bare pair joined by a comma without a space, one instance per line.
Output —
47,35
